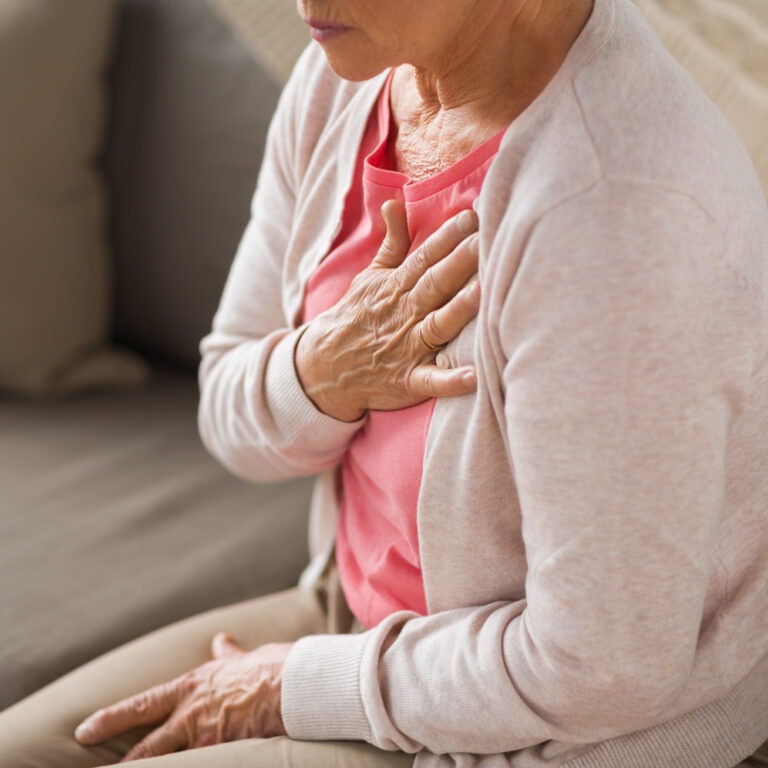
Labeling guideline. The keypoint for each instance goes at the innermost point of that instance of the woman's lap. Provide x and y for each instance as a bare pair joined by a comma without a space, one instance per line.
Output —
281,753
37,732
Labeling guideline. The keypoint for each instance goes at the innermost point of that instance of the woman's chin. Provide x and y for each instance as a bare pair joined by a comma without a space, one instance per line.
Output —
354,68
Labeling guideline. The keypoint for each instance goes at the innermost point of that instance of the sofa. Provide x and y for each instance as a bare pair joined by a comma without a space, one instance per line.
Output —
113,519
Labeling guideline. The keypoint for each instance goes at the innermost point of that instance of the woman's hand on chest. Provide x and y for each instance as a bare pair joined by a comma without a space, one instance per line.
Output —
376,348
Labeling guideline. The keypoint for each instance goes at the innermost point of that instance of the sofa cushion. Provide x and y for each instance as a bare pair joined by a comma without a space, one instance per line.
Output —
190,113
724,45
54,267
115,521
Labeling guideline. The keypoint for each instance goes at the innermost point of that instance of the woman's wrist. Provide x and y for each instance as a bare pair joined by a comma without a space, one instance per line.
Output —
318,386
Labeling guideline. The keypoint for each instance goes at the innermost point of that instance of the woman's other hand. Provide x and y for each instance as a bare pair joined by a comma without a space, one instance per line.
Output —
376,348
235,696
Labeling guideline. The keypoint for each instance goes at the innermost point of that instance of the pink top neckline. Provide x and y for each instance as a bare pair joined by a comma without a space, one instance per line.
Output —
376,170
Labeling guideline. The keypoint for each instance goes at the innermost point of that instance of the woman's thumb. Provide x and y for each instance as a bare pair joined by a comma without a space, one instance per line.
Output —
397,242
224,646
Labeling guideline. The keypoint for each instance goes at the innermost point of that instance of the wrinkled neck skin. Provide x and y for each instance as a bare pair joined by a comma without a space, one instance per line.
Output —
503,58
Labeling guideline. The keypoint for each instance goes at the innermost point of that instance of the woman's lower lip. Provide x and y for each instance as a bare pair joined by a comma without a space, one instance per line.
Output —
324,34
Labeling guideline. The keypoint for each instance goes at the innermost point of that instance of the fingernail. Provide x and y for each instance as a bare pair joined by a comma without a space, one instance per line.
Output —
467,222
469,378
84,732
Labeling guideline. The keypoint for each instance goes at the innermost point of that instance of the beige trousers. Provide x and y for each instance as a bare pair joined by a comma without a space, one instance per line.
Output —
38,731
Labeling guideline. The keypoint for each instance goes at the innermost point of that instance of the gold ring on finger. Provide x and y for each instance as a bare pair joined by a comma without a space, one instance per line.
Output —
430,347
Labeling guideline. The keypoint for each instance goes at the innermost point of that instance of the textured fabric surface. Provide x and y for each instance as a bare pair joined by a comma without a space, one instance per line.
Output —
115,521
272,29
586,516
190,110
724,46
54,268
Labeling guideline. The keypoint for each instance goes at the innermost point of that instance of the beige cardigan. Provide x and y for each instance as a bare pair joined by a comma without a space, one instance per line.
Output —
593,522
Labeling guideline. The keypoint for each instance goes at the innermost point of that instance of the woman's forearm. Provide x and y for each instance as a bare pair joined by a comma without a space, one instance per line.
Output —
255,418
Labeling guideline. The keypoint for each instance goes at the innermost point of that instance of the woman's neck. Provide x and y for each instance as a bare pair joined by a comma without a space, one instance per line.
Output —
500,64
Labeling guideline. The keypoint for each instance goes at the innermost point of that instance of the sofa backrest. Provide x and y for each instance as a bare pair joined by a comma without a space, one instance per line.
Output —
190,110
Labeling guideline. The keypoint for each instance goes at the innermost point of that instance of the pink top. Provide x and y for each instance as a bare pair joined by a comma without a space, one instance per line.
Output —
377,546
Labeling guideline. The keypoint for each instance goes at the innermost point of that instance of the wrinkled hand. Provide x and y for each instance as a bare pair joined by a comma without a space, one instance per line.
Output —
235,696
371,350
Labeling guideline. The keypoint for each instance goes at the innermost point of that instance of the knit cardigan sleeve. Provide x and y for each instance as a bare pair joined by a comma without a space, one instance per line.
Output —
621,381
253,414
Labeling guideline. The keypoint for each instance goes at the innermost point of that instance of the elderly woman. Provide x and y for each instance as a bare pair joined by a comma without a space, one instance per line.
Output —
504,291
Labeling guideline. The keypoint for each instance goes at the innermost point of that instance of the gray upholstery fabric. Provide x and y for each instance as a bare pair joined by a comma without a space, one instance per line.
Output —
114,520
189,116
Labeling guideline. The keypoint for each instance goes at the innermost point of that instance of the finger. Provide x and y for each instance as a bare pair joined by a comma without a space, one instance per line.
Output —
397,241
163,741
429,381
436,247
445,324
146,708
440,283
223,646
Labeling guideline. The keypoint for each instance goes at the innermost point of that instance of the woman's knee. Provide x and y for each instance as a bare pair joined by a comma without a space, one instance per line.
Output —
34,735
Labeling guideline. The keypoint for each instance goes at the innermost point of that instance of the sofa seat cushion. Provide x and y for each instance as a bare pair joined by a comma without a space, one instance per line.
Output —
115,521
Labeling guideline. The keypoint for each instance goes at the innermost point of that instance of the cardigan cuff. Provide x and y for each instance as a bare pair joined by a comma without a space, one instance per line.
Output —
294,414
320,699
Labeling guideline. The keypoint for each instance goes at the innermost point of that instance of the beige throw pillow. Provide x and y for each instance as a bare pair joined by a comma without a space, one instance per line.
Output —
272,29
724,46
54,268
